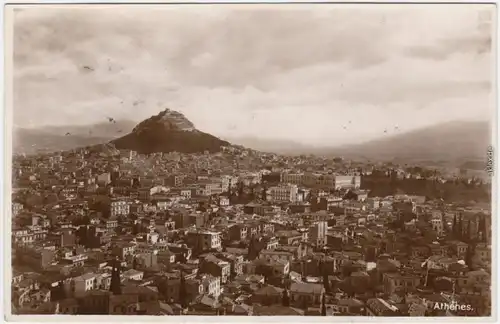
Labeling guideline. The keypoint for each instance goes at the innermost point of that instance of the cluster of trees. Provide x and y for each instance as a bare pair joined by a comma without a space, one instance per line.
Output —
31,198
244,194
255,246
462,230
58,293
381,186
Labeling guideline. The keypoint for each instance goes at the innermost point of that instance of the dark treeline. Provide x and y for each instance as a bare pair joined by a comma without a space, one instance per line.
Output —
432,189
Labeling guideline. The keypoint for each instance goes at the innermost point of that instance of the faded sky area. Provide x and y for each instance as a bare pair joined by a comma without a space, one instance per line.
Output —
277,71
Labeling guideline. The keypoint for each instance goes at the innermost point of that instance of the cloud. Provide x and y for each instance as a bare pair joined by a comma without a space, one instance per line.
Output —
270,71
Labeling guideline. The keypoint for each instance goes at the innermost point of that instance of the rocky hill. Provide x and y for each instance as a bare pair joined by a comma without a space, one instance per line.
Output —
167,132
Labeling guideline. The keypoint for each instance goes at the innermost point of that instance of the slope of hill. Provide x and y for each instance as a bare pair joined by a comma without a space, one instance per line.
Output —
60,138
33,141
167,132
453,141
275,146
462,144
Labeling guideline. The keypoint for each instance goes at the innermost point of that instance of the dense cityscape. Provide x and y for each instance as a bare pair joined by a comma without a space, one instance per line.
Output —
101,230
265,159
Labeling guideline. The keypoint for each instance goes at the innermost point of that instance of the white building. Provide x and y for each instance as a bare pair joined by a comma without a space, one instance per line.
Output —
283,193
347,181
211,285
120,207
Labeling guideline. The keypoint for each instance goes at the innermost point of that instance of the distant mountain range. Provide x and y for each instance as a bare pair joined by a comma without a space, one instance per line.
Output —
462,143
458,142
453,141
59,138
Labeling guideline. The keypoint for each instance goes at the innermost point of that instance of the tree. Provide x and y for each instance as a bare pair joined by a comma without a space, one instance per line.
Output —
264,270
116,286
251,250
252,193
323,305
326,282
469,256
483,229
241,188
467,235
264,193
232,271
182,258
285,300
347,270
305,303
443,284
324,273
459,228
183,292
59,292
254,249
454,229
162,286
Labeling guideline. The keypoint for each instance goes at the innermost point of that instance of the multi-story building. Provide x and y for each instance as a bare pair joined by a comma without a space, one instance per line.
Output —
210,188
309,179
177,180
128,154
215,267
228,181
305,294
211,285
238,232
459,248
82,284
123,250
400,281
119,206
104,179
186,193
147,260
379,307
75,259
202,240
16,208
482,252
437,225
347,181
276,255
29,236
317,233
292,178
283,193
224,201
324,180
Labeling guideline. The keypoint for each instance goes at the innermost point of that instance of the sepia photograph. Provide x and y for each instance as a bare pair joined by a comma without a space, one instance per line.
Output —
250,160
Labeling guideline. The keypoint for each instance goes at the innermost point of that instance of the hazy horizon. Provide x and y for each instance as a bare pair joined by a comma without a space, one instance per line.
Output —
314,75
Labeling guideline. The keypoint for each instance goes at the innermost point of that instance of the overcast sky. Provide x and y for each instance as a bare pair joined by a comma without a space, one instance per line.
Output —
282,72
